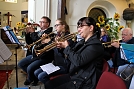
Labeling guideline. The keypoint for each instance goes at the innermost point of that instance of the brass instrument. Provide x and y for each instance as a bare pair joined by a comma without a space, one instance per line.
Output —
21,29
108,44
28,24
53,44
30,45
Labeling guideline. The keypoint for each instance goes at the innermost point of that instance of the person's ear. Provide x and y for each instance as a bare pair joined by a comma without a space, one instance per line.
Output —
63,26
91,27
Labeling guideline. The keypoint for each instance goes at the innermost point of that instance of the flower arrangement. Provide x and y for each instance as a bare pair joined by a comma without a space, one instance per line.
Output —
112,25
20,25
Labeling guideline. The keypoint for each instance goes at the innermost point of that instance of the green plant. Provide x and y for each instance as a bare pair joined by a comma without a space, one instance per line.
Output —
112,25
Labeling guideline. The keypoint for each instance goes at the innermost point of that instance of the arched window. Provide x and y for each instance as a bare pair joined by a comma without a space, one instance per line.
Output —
95,13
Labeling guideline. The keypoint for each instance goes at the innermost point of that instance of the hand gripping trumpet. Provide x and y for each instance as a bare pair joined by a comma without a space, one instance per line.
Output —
30,45
108,44
53,44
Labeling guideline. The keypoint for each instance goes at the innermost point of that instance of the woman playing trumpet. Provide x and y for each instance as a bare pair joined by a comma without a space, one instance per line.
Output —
59,58
85,59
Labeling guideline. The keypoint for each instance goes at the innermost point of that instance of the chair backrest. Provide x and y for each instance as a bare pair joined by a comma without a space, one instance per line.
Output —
109,80
105,66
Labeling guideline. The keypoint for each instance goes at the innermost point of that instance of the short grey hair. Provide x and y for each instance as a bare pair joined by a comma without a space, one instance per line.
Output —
130,31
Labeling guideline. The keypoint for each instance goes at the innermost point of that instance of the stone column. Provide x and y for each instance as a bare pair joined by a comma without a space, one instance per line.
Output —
37,9
31,10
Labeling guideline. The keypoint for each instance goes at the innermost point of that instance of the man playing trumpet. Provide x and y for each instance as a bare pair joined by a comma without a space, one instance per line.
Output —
32,36
32,62
127,37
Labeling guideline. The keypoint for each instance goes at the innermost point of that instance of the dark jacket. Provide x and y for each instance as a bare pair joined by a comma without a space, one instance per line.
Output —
32,37
117,60
35,35
86,63
60,58
108,49
47,56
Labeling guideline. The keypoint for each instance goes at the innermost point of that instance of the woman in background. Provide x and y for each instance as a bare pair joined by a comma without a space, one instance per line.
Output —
104,37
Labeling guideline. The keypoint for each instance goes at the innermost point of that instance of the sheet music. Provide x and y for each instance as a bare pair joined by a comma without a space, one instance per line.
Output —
5,53
11,35
49,68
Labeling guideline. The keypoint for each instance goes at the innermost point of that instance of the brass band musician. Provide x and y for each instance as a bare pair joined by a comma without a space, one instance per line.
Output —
33,62
62,30
32,36
127,37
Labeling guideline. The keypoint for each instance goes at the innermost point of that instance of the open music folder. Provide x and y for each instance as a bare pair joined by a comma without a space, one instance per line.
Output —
10,34
127,52
5,53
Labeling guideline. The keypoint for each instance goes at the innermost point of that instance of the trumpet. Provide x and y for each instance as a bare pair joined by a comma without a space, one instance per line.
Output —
108,44
30,45
34,25
53,44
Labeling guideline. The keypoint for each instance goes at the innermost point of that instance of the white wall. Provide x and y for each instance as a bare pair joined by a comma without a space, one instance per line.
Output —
14,9
40,8
77,9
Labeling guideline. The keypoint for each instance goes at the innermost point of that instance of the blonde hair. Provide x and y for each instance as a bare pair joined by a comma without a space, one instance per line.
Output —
105,30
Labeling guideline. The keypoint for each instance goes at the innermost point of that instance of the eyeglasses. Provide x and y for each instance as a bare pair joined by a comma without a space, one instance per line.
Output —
80,26
56,25
42,22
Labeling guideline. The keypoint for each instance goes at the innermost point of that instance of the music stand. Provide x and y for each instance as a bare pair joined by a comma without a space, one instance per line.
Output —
14,40
5,53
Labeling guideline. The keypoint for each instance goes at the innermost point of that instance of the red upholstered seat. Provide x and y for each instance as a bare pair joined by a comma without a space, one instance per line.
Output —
109,80
55,76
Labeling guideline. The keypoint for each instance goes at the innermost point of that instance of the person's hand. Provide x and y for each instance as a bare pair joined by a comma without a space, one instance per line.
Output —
30,29
63,44
44,35
45,40
116,44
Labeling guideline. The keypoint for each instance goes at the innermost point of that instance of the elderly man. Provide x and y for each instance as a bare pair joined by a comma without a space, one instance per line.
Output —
127,37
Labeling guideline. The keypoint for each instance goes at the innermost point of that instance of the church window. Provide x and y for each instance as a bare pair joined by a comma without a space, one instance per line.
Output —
95,13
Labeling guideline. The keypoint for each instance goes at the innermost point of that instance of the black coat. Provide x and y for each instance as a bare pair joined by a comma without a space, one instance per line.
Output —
32,37
60,59
117,60
86,63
